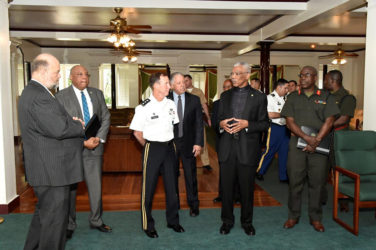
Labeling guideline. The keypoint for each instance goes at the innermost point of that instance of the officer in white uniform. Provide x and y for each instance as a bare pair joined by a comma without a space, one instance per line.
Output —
278,134
153,125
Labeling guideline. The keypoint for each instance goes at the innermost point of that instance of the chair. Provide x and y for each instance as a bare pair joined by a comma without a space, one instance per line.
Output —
355,172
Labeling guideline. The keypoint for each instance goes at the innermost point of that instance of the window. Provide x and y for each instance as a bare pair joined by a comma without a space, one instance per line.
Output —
126,84
64,81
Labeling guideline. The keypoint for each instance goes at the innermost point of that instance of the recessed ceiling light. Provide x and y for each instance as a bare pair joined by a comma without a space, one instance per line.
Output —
313,46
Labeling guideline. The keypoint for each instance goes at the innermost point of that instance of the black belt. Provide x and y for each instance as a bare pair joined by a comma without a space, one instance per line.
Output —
161,142
278,124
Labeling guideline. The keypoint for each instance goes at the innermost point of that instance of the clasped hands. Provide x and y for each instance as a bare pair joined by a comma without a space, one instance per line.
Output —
312,143
233,125
92,142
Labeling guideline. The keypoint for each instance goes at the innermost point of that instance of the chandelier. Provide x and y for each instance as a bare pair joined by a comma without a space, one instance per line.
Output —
129,58
339,60
120,39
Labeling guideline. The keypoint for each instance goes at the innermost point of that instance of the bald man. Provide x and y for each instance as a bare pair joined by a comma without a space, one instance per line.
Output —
52,143
73,99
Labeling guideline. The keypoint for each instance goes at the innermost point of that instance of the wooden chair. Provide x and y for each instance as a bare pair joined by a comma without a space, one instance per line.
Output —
355,173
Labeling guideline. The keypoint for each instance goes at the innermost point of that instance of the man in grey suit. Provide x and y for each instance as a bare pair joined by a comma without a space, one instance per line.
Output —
83,101
52,144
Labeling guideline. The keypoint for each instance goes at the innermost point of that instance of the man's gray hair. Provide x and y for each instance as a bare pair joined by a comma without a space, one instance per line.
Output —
244,65
39,64
173,75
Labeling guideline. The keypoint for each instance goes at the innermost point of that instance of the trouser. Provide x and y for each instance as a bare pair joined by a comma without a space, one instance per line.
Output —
190,174
277,142
93,179
231,170
205,153
49,223
302,166
159,157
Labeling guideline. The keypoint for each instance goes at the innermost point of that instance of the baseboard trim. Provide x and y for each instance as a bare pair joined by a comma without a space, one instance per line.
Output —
7,208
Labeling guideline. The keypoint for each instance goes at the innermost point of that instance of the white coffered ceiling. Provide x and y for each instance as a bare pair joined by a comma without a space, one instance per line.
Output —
233,27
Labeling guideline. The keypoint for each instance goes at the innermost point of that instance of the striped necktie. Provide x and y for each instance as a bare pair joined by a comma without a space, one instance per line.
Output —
85,108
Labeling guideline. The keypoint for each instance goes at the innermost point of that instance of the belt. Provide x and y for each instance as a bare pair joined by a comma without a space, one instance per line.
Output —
161,142
273,123
341,127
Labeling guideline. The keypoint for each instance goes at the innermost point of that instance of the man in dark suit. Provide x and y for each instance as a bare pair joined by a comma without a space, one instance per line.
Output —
188,136
227,84
52,143
78,100
243,117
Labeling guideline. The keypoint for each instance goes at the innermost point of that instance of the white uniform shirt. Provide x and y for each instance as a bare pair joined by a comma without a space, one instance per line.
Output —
275,104
156,119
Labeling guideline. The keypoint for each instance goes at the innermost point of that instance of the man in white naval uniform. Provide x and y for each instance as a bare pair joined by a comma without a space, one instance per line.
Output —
153,125
278,134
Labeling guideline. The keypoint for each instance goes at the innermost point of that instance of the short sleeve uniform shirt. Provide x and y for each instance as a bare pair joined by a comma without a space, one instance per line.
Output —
310,111
275,104
155,119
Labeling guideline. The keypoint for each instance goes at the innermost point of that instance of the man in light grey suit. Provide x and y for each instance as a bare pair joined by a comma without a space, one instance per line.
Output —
82,101
52,144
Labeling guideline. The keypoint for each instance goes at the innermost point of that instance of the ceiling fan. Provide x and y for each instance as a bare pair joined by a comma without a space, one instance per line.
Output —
119,24
131,54
121,29
339,55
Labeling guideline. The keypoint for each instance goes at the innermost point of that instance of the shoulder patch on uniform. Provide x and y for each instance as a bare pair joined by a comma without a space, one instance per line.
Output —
144,102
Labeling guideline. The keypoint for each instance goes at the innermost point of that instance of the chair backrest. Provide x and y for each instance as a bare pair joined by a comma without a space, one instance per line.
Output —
356,151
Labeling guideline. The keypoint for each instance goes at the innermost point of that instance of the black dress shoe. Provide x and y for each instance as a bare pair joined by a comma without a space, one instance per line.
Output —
177,228
103,228
217,199
249,230
207,167
69,234
259,177
194,212
151,233
225,228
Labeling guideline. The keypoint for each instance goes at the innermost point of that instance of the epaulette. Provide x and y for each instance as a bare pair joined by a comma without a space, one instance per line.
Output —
272,94
144,102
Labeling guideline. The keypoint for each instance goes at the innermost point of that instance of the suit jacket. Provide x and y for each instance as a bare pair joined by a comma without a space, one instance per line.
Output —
255,111
52,140
68,99
193,126
215,123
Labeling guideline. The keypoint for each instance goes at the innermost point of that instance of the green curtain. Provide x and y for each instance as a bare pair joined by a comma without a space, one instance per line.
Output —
212,77
145,78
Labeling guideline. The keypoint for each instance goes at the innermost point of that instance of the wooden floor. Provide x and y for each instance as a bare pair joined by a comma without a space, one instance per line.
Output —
122,191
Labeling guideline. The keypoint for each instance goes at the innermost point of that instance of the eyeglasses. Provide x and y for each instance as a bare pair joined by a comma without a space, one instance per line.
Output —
82,74
237,73
305,75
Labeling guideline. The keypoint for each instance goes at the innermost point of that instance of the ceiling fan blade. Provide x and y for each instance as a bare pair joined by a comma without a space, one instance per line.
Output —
327,56
130,30
139,26
350,54
144,52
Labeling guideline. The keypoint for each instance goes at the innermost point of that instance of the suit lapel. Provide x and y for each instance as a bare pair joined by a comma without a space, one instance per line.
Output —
248,104
74,102
94,100
186,105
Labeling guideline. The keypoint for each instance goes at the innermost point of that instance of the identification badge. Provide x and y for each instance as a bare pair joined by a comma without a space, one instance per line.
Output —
154,116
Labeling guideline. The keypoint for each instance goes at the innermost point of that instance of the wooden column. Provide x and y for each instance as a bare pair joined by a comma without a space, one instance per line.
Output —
265,66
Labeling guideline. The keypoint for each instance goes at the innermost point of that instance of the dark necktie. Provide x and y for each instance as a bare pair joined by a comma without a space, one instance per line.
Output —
180,115
85,108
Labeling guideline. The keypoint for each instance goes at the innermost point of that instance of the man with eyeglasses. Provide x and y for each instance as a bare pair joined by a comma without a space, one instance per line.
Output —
242,117
315,109
82,101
